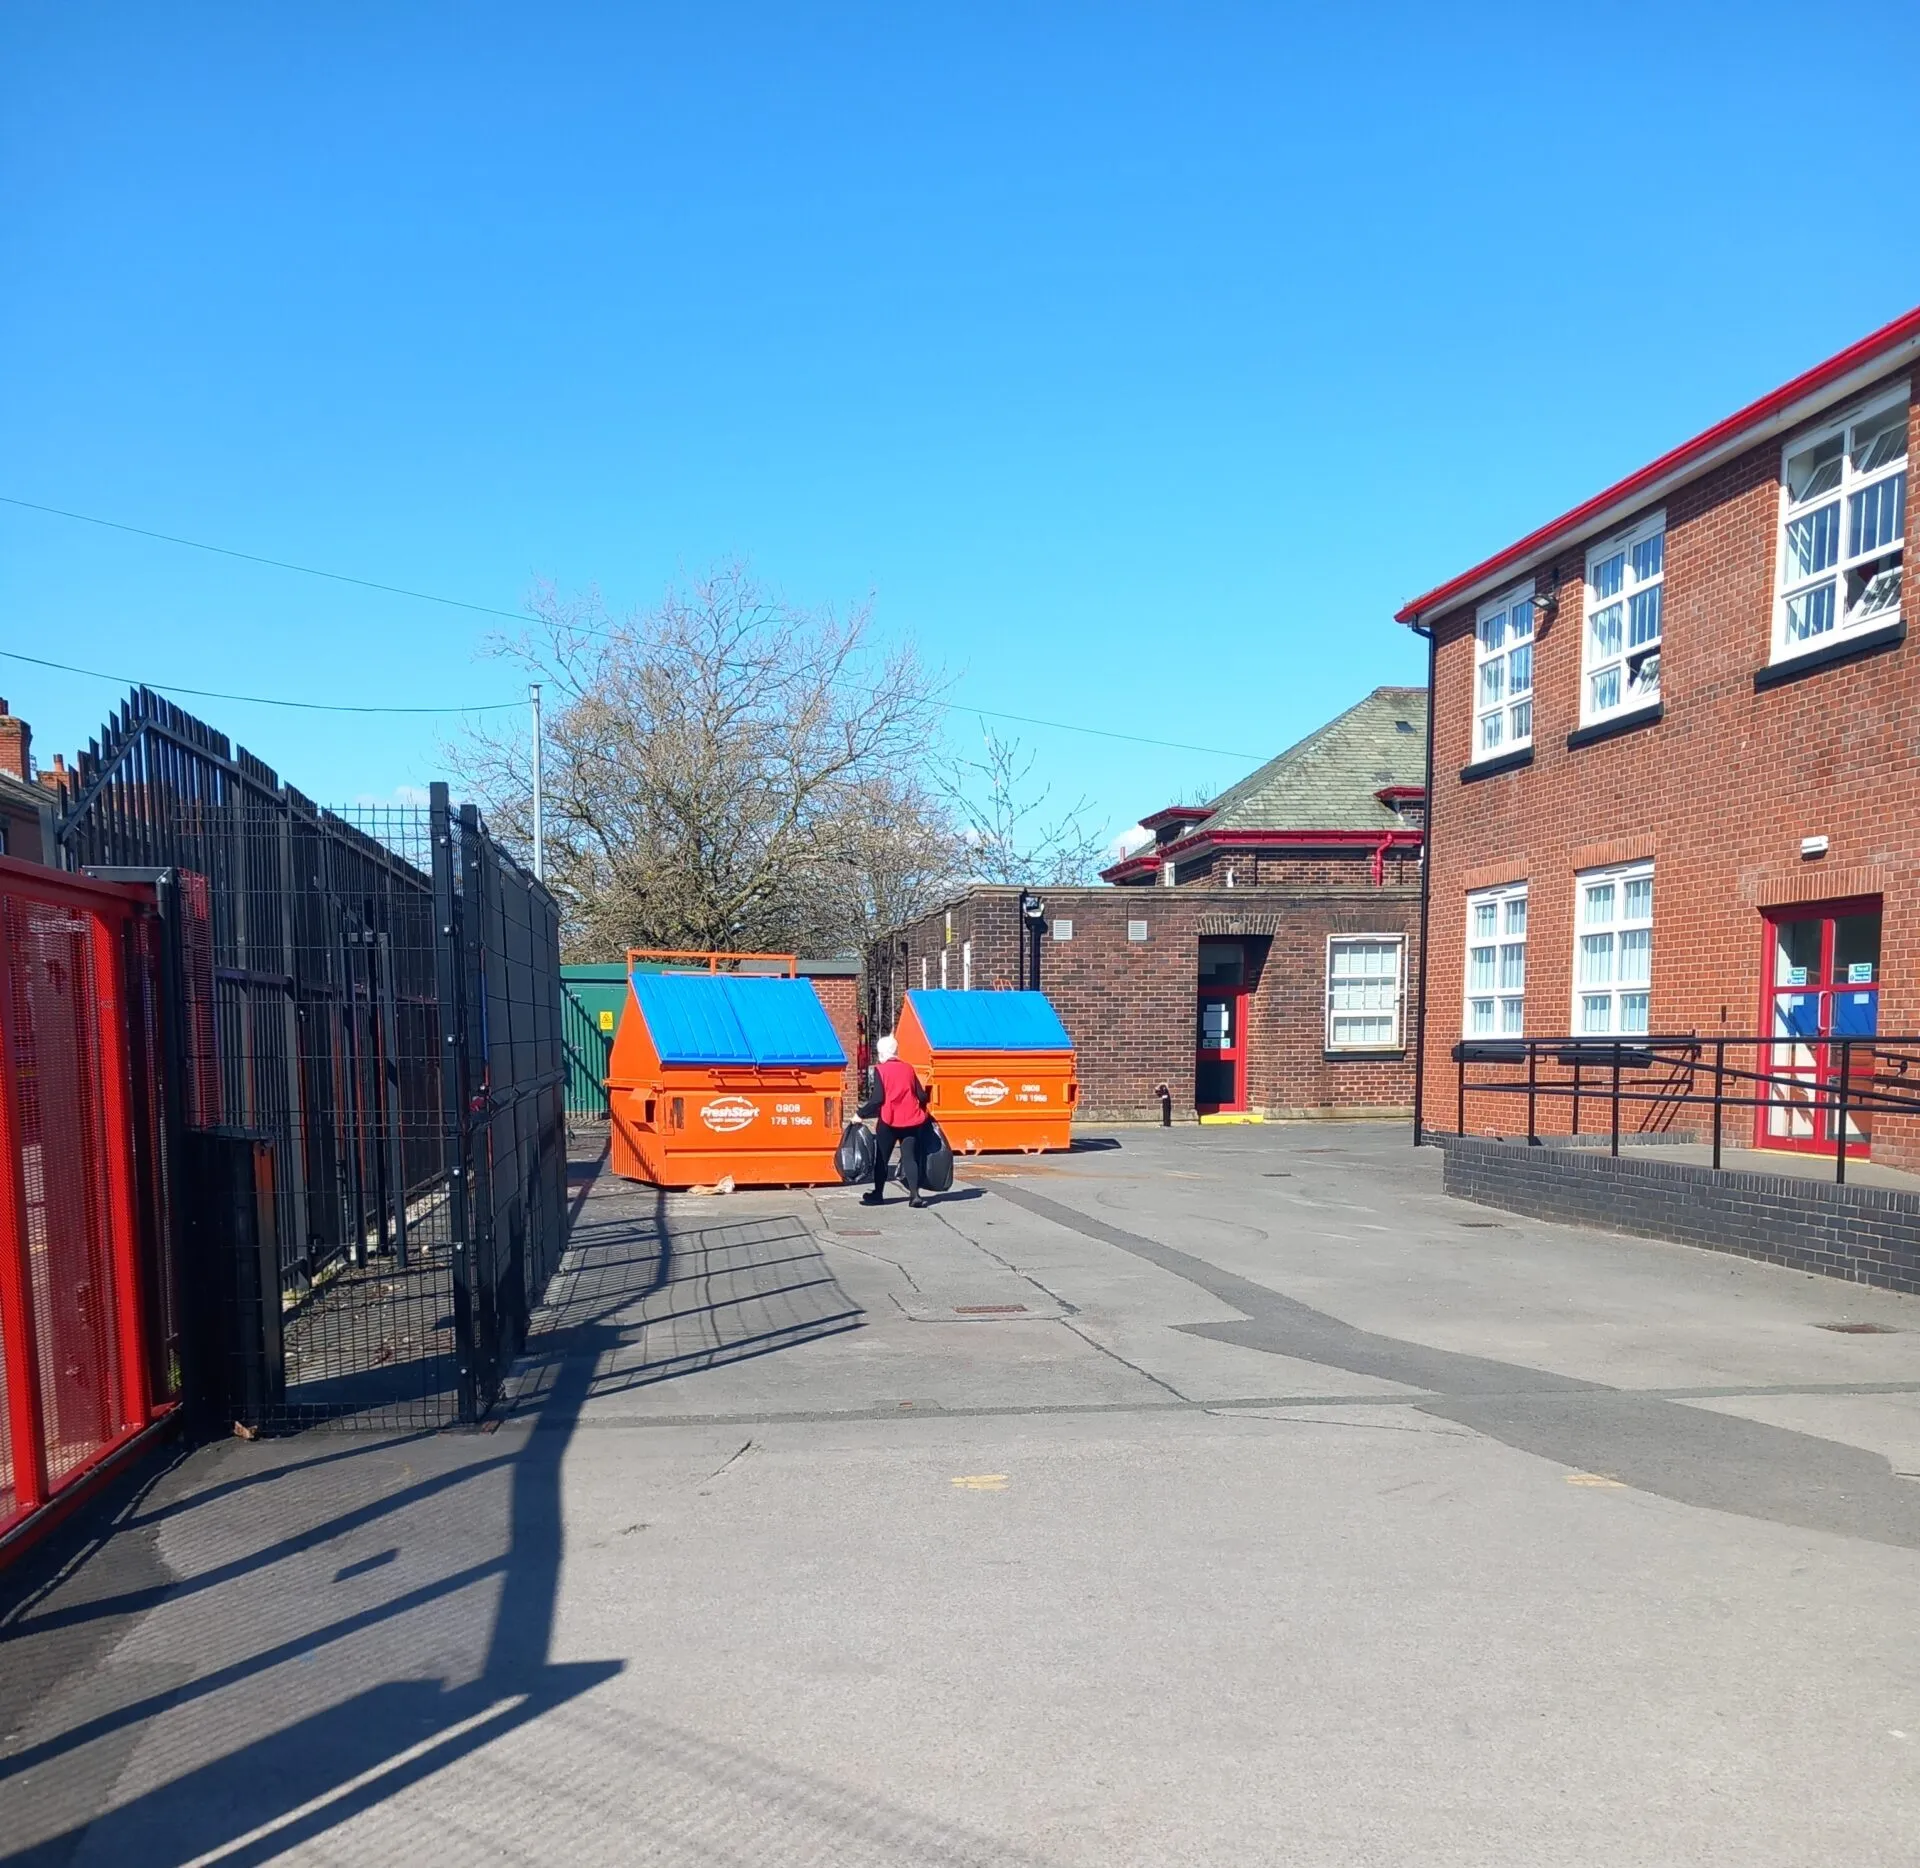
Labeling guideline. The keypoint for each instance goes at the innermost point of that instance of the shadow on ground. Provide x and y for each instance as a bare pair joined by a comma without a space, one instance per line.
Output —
85,1730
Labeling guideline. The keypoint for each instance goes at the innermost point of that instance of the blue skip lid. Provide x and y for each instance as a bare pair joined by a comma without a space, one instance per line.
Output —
727,1018
989,1021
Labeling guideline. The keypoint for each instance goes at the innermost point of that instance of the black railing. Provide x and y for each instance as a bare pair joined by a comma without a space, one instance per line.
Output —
1809,1094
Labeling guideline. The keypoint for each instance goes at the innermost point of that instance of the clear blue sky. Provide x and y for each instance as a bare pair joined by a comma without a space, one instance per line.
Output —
1140,361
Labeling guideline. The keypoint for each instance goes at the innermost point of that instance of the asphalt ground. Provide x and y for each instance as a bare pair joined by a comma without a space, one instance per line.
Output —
1213,1496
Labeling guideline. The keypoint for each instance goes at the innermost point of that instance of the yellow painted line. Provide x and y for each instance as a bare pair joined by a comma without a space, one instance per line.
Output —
1597,1478
1231,1116
982,1482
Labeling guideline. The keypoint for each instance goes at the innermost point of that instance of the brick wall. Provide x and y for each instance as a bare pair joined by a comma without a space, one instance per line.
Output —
1867,1235
1130,1005
1719,791
840,994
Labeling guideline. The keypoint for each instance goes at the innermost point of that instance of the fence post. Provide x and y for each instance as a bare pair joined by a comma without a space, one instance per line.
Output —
110,1012
1533,1073
1719,1082
1460,1097
22,1397
1614,1150
1840,1114
453,1089
476,932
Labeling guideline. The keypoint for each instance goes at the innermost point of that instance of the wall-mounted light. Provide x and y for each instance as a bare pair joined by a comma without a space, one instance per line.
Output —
1546,602
1813,846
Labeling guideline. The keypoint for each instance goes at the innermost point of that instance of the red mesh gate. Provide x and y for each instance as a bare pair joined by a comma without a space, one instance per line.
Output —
84,1278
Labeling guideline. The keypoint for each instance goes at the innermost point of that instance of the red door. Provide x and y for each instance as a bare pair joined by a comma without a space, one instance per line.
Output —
1822,983
1220,1035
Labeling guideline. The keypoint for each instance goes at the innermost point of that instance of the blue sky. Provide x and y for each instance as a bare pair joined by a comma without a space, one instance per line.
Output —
1138,361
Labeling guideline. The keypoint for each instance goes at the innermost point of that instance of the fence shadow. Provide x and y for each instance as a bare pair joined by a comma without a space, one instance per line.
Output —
266,1796
646,1300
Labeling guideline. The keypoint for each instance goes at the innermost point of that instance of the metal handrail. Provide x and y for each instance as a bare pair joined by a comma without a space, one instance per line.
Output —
1850,1077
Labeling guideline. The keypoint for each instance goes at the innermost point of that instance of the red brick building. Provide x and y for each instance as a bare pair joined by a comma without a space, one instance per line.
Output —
1676,764
1254,961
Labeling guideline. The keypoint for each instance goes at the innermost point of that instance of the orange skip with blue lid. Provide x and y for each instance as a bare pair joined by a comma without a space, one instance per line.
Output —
719,1074
1000,1065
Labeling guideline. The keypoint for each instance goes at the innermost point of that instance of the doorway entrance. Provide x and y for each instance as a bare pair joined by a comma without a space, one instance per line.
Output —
1220,1040
1822,983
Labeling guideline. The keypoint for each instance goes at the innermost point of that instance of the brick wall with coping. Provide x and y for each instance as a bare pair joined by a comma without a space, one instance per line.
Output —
1866,1235
1719,791
1130,1005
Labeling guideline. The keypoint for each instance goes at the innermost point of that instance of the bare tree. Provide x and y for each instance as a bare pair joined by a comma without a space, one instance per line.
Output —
723,772
1013,830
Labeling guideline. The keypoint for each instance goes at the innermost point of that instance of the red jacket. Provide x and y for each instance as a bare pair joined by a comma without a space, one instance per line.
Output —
901,1104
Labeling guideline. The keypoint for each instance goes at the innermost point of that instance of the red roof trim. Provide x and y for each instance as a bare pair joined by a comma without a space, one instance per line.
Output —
1265,839
1901,330
1176,814
1400,794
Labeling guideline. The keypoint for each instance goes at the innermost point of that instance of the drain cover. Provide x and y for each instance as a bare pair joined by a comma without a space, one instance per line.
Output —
988,1310
858,1232
1859,1329
1277,1174
1481,1225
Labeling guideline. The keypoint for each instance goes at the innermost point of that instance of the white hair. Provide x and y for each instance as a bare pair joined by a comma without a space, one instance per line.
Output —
887,1049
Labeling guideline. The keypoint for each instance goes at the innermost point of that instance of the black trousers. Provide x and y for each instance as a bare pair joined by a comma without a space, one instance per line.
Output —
911,1141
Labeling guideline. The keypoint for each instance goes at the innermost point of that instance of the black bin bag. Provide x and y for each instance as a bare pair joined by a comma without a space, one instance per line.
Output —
854,1156
936,1163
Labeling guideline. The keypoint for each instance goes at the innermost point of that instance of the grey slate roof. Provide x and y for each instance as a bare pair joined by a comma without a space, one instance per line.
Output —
1328,781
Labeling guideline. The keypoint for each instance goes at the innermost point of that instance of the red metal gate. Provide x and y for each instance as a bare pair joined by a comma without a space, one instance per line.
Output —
88,1353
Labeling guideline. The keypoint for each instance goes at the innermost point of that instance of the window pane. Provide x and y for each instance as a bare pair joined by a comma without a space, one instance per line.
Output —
1517,915
1633,1012
1643,618
1599,903
1513,1016
1606,691
1493,681
1480,1017
1480,969
1649,557
1814,471
1636,957
1520,669
1490,731
1879,439
1596,959
1513,967
1493,630
1813,543
1603,632
1596,1012
1638,902
1608,575
1643,676
1877,517
1523,720
1878,595
1810,614
1483,913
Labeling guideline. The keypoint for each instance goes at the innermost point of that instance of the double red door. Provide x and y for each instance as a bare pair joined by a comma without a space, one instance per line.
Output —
1822,974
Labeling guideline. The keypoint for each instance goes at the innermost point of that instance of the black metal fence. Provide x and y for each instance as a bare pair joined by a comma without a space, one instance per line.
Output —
1815,1095
373,994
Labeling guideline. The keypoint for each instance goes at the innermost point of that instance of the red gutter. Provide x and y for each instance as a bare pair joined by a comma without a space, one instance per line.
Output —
1267,839
1901,330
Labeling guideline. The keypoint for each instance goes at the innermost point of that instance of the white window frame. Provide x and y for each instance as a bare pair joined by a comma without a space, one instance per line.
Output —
1503,999
1396,1041
966,966
943,969
1620,928
1842,499
1501,713
1633,666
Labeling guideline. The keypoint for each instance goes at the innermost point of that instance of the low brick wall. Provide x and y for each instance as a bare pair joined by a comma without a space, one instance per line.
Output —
1868,1235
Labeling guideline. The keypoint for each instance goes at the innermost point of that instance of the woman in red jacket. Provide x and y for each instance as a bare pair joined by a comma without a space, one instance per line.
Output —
903,1119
